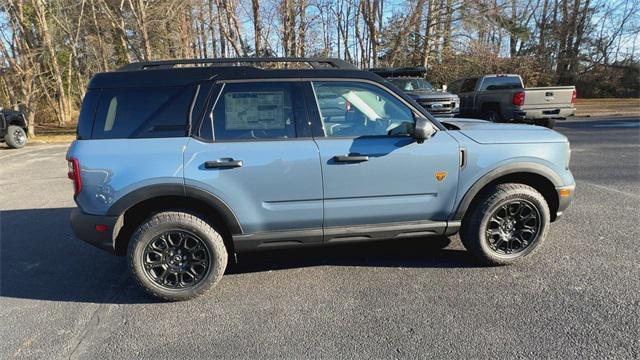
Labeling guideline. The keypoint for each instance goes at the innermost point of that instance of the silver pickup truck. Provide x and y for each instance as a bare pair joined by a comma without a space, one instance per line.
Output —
503,98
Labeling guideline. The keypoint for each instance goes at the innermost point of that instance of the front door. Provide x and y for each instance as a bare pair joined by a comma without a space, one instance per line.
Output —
373,171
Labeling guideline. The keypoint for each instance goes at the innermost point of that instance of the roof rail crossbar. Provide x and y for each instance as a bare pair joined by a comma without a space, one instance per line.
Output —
314,63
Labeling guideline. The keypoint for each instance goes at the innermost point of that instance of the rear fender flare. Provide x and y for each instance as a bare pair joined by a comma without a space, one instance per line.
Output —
159,190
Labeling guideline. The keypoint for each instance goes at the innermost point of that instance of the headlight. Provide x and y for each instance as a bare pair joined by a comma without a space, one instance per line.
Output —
567,156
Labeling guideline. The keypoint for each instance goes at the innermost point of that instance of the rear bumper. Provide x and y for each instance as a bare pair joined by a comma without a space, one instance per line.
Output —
84,227
548,113
565,197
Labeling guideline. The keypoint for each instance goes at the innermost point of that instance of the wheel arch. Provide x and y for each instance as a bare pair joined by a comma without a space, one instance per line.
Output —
137,206
17,120
538,176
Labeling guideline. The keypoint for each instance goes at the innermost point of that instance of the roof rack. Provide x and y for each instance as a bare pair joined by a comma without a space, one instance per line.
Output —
400,71
314,63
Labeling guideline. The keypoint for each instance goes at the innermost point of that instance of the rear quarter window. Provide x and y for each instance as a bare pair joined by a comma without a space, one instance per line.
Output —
143,112
87,114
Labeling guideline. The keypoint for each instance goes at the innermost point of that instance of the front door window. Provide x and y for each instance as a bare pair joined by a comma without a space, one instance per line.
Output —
354,109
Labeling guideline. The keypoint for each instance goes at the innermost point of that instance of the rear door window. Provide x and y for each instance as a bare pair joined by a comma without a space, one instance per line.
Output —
143,112
468,85
256,110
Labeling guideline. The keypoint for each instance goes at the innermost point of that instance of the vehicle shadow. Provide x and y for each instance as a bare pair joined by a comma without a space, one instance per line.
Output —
41,259
426,252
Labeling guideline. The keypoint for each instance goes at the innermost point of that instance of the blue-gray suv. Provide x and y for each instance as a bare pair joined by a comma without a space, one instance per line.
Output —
180,165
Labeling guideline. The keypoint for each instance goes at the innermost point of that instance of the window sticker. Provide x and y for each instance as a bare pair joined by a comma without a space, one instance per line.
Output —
254,110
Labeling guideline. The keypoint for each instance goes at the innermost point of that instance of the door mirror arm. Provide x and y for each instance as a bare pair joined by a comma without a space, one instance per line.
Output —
423,130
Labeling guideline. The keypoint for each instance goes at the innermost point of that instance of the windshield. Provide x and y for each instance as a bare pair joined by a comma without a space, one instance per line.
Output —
412,84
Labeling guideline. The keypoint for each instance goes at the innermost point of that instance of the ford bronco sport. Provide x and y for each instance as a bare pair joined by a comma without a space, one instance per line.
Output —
179,167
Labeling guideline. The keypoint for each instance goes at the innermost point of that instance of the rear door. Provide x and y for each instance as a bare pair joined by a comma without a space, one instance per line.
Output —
254,152
374,178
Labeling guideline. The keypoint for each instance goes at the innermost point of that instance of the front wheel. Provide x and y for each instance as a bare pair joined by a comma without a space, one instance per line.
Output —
176,256
507,223
15,137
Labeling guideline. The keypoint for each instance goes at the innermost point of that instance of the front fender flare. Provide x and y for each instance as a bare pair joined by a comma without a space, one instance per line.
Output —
508,169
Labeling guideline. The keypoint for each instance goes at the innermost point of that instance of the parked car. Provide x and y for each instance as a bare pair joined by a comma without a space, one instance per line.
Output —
13,128
503,98
411,80
180,168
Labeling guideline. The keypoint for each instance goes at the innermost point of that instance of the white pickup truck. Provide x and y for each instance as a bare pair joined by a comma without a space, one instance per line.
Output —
503,98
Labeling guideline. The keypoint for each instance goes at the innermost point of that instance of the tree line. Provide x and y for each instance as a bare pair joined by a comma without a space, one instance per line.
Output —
49,49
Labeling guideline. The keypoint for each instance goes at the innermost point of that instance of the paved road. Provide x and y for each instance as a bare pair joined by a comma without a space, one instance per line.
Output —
578,298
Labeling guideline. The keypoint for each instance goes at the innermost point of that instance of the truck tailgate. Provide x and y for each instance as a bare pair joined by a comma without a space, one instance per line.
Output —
548,97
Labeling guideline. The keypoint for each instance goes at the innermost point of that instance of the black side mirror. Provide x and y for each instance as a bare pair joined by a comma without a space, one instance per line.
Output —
423,130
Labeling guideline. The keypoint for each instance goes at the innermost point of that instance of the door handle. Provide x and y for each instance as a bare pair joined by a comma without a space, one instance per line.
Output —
222,164
350,158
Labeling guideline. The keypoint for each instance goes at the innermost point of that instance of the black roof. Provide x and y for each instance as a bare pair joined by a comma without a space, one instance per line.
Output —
419,71
167,72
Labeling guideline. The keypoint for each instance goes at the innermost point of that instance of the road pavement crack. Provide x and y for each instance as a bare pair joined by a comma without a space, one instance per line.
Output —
101,324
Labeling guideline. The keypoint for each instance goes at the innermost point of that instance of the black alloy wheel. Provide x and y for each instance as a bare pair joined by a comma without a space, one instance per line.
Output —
513,227
176,259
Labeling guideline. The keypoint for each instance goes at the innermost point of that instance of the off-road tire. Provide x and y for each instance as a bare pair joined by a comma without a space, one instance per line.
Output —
10,137
177,221
476,220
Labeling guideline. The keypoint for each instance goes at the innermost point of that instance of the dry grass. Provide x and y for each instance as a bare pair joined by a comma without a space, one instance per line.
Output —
608,107
52,139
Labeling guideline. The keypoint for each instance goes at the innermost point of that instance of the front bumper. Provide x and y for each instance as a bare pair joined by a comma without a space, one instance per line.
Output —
84,227
565,197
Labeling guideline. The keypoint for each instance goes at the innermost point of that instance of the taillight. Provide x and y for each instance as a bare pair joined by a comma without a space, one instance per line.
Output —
74,174
518,98
574,96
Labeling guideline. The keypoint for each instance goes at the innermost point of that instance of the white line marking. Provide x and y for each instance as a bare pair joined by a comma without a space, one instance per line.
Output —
610,189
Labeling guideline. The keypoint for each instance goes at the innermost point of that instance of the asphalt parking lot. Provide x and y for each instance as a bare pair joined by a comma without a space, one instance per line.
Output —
579,297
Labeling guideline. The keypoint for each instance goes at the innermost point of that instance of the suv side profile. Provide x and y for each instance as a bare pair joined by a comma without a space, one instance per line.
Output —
180,167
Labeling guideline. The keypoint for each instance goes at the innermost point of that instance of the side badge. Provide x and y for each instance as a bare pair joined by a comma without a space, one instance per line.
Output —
440,175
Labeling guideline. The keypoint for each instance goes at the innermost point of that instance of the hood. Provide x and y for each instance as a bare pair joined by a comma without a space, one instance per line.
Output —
486,132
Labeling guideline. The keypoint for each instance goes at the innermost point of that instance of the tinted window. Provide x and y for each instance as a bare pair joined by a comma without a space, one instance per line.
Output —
411,84
143,112
359,109
501,83
87,114
468,85
454,87
254,111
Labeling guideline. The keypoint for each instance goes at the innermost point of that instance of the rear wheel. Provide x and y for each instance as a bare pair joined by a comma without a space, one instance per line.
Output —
509,222
176,256
15,137
492,115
